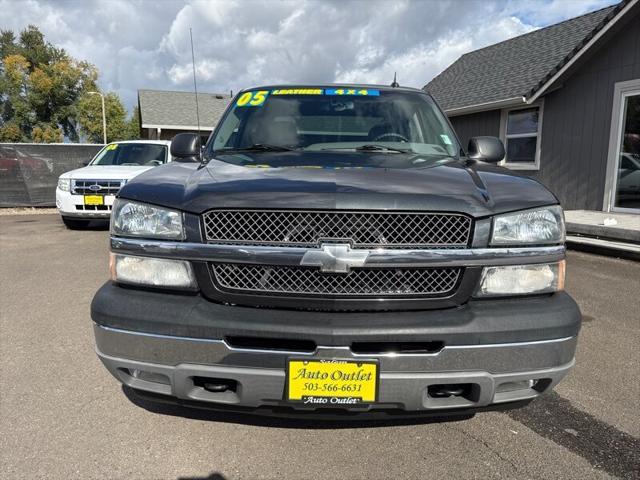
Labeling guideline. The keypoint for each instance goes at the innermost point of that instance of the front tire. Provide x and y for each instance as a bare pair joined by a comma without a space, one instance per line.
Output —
75,223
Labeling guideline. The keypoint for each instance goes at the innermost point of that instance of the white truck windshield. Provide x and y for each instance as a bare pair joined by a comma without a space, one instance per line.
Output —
147,154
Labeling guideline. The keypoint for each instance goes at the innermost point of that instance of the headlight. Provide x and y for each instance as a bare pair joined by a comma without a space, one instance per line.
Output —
64,184
133,219
153,272
539,226
522,279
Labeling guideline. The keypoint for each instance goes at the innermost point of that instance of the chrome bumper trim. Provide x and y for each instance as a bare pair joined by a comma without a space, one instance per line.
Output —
493,358
87,214
381,258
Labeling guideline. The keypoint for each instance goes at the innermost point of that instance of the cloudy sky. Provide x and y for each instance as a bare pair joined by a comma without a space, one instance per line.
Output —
145,44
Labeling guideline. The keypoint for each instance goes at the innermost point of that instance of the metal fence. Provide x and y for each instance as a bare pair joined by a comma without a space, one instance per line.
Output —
29,171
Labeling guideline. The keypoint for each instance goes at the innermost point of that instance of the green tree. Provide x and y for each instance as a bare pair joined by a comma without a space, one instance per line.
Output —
90,118
133,124
40,87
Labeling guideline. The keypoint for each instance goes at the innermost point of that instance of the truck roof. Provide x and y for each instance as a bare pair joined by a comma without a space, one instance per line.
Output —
162,142
333,85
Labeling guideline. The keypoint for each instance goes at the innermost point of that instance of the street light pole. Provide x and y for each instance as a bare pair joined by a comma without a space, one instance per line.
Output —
104,117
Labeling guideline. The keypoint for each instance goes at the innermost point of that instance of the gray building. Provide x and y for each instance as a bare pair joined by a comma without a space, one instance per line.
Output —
565,100
165,113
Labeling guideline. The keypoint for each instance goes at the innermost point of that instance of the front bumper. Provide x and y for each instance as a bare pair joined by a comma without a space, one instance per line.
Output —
508,349
73,206
498,373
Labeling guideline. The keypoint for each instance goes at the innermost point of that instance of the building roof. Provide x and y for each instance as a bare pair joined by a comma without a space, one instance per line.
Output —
177,110
518,67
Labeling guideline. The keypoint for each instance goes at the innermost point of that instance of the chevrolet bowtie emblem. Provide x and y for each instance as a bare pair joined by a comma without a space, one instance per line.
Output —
335,258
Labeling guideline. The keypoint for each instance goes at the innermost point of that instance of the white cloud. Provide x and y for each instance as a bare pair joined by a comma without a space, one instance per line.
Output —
206,70
239,44
546,12
417,65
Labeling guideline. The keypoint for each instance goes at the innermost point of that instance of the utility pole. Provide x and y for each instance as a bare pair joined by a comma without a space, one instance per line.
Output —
104,117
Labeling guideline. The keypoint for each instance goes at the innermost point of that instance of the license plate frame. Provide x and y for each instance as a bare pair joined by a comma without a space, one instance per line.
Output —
93,199
334,396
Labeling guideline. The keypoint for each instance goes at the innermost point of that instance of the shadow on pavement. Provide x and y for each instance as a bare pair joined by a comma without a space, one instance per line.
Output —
603,445
96,225
282,417
211,476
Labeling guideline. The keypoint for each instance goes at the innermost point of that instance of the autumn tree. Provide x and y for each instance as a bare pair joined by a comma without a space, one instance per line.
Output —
44,94
40,85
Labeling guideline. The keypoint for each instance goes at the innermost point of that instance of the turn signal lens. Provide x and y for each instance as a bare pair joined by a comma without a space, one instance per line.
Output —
152,272
522,279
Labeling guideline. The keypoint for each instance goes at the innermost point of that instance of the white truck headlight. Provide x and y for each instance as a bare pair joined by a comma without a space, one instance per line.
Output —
521,279
64,184
152,272
133,219
534,227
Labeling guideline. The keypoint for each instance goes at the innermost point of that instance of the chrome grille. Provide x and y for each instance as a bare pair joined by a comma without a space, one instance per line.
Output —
361,282
90,187
364,229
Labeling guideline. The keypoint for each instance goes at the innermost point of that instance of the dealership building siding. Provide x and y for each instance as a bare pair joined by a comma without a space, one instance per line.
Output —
596,81
577,122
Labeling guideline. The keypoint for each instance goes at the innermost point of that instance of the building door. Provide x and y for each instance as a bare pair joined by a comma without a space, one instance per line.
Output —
624,153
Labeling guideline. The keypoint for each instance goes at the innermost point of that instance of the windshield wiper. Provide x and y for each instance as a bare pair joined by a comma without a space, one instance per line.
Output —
259,147
372,147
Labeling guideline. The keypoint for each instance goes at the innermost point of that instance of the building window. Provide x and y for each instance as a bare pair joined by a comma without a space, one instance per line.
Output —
522,129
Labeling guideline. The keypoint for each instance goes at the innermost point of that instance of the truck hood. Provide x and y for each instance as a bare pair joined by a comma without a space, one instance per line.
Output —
477,189
106,172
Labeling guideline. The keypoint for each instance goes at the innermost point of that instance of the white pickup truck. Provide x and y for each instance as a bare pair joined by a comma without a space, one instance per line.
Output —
87,193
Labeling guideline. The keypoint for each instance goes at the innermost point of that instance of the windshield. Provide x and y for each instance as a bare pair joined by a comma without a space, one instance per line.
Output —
134,154
362,124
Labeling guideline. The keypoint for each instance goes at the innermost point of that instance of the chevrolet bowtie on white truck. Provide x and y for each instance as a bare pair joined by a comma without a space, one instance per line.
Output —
334,249
88,193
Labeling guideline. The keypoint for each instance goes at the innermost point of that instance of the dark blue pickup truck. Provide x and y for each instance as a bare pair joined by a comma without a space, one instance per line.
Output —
334,249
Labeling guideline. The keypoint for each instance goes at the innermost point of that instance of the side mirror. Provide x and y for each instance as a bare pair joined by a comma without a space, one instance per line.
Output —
185,147
485,149
86,162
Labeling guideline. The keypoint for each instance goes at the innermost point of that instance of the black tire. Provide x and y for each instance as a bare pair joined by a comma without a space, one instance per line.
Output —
75,223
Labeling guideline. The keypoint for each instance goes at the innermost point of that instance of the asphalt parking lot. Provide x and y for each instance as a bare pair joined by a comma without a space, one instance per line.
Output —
63,416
